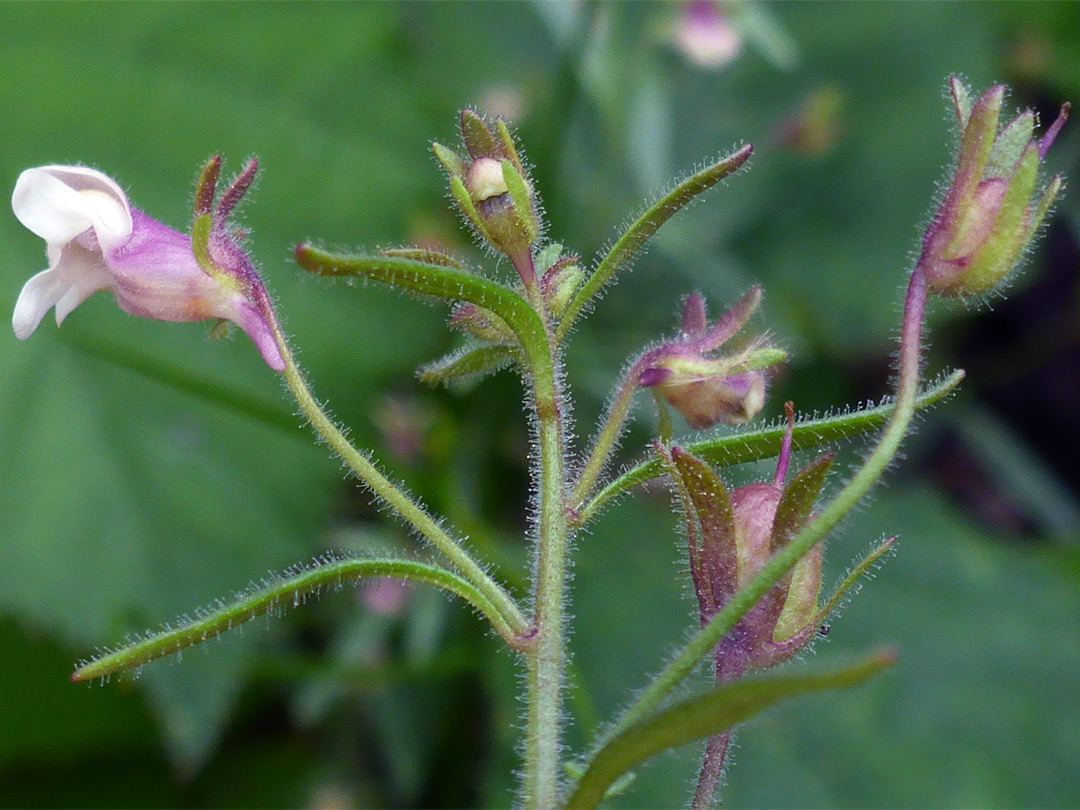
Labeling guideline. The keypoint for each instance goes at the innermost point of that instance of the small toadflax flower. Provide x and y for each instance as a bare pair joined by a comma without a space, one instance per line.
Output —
96,240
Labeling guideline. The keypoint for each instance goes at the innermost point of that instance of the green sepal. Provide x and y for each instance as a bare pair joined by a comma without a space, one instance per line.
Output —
200,244
450,160
465,204
645,226
1057,183
1002,248
522,200
462,368
207,186
709,511
1010,144
478,138
797,502
961,94
746,446
976,144
763,358
506,140
705,715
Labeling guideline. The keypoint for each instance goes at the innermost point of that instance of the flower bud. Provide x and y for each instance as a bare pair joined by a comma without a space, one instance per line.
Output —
993,206
707,389
481,323
561,283
491,187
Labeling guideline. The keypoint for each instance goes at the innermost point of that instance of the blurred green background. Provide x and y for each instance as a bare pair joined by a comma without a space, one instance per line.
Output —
147,470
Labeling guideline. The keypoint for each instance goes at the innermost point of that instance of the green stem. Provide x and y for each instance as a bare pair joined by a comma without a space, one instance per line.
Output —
547,654
607,438
785,559
408,510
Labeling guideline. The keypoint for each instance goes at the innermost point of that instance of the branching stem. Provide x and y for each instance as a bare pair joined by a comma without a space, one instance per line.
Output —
837,509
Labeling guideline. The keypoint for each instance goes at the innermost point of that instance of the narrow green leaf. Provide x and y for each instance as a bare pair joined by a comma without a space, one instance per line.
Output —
465,203
643,228
448,283
709,714
293,587
798,500
743,447
519,194
425,255
463,366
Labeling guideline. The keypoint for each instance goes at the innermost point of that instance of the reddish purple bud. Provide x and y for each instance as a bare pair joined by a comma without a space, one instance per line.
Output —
704,387
994,205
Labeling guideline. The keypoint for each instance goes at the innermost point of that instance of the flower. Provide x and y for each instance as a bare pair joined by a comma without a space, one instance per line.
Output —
491,187
705,35
707,389
96,240
733,535
993,206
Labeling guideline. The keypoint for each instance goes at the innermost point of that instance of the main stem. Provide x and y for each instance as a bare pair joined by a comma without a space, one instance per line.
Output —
547,652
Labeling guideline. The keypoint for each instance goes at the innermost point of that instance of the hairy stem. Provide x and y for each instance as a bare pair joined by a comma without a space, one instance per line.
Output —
608,436
547,655
712,770
408,510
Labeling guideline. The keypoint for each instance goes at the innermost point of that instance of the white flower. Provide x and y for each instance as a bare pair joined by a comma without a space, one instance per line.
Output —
96,240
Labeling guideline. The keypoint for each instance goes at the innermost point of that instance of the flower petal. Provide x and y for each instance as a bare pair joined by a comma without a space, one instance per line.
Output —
85,273
60,202
37,297
77,274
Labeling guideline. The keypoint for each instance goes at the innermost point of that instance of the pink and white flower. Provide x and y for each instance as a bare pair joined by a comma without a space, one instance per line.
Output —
96,240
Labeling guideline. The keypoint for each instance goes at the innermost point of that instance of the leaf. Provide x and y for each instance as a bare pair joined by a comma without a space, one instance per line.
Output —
464,366
439,281
642,229
743,447
708,714
293,587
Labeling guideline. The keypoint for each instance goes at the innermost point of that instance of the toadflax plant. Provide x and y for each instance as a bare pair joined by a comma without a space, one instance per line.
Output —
754,553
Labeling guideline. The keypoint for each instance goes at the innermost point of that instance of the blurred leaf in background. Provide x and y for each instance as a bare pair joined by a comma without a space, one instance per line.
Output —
148,470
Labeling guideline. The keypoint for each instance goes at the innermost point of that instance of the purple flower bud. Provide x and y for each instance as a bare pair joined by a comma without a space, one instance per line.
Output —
993,207
96,240
705,387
